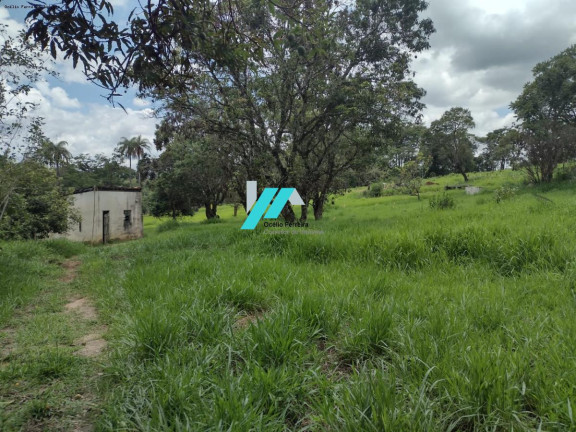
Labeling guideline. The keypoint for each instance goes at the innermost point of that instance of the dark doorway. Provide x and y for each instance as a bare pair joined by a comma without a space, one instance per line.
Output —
105,226
127,220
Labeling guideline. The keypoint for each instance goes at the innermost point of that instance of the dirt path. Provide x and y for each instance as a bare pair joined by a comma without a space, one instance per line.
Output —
71,268
50,360
92,343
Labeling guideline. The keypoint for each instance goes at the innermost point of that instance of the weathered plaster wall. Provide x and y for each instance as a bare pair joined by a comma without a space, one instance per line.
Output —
92,205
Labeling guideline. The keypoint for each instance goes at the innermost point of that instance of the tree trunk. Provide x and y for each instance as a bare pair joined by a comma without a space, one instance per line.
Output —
465,176
138,171
304,212
547,173
288,213
211,209
236,209
318,206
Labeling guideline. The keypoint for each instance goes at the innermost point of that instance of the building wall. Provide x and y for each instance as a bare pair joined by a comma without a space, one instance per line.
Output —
92,205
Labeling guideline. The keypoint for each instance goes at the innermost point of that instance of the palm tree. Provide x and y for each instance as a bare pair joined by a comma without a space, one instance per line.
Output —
133,147
54,155
60,155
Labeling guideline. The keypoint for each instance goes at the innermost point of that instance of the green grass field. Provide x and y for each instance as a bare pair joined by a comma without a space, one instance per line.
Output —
396,317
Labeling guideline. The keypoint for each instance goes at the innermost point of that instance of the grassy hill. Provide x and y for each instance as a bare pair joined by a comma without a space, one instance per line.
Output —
385,315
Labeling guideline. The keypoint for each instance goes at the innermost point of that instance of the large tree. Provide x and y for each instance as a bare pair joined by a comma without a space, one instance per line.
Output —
547,143
404,145
291,83
169,191
450,143
503,147
552,93
302,109
200,162
547,109
99,170
134,147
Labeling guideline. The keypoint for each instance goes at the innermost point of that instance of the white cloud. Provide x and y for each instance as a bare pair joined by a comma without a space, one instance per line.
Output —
99,129
141,102
95,128
446,89
57,95
68,74
88,128
13,26
481,56
483,52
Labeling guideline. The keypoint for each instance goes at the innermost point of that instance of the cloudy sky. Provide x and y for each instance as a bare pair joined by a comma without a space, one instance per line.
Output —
75,110
481,55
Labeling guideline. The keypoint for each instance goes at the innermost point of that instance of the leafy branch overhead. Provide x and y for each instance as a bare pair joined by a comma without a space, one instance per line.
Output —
164,41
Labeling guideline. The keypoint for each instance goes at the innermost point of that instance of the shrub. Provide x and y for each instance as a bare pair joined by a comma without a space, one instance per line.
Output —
395,190
383,190
442,202
33,203
565,173
504,193
375,190
169,225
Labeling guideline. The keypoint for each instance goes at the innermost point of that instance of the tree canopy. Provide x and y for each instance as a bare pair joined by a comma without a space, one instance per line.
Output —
324,84
547,109
450,143
552,93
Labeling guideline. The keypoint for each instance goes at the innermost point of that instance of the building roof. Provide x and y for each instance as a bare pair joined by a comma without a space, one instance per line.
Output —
108,189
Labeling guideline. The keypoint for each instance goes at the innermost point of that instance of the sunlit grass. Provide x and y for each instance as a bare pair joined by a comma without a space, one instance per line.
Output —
395,318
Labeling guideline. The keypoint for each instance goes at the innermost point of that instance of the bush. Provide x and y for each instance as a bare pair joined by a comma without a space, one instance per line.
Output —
395,190
35,203
504,193
565,174
169,225
442,202
374,190
385,189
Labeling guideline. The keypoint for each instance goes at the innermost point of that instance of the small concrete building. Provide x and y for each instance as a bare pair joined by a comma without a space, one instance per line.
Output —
107,213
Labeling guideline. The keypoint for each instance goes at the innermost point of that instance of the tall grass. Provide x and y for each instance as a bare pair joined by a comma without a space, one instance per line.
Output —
29,267
396,318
